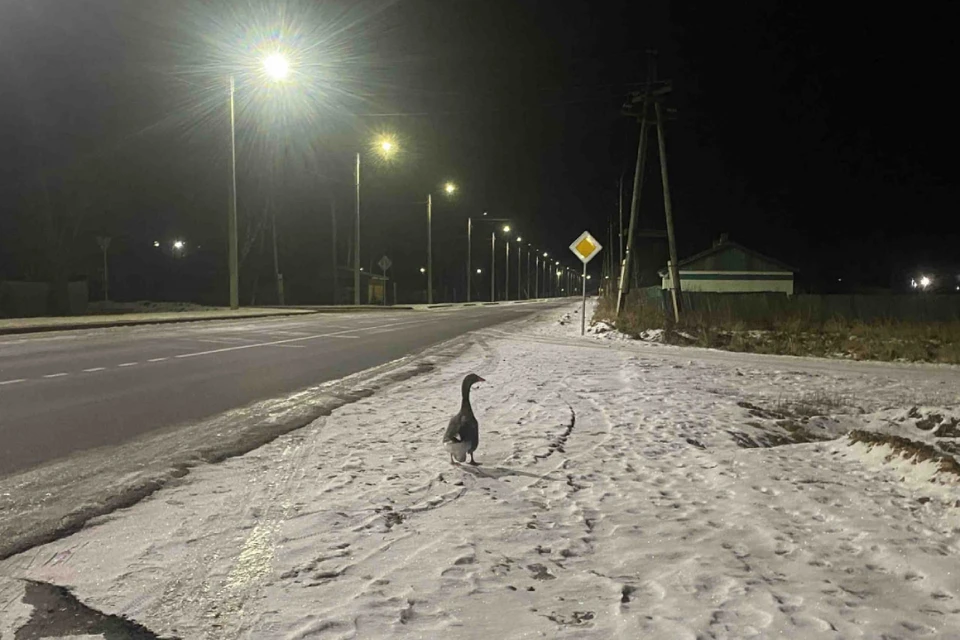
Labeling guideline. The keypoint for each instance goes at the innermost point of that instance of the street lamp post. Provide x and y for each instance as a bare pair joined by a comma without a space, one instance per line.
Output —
519,270
233,258
469,252
356,238
536,277
530,249
506,270
493,266
449,188
386,147
277,67
493,254
429,248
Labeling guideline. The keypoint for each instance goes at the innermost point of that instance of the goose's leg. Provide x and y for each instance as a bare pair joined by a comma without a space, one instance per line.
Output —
452,461
472,461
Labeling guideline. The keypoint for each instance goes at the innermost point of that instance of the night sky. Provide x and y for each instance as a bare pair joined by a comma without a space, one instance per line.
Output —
824,139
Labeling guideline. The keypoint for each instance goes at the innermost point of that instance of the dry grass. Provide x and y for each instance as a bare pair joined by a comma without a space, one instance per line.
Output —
909,449
793,334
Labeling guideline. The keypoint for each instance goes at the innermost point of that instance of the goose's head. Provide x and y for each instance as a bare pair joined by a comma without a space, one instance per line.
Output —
471,380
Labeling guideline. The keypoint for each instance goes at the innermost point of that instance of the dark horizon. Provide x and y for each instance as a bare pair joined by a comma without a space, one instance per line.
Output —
821,140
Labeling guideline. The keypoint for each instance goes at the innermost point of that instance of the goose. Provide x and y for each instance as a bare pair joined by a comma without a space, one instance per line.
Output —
463,432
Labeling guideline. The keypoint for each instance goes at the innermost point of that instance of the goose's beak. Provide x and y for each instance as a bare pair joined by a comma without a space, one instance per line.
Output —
479,379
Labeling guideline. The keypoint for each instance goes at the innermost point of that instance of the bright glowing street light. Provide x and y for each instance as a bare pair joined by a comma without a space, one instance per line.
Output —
925,282
519,239
450,188
423,270
385,146
156,243
178,244
276,66
479,270
506,228
545,254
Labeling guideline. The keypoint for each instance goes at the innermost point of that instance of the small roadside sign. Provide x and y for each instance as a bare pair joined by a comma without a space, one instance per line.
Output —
585,247
385,263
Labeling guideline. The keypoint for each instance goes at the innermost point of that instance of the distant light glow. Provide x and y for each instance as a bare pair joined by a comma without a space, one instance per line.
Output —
925,282
545,254
276,66
423,270
519,239
506,228
481,271
385,146
450,188
156,243
178,244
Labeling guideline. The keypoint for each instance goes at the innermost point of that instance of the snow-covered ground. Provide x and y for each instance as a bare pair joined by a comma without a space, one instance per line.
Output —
627,491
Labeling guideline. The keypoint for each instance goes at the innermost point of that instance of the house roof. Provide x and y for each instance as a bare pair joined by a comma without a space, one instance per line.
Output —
726,245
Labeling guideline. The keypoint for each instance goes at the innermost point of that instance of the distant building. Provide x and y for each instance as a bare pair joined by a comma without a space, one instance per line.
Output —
728,267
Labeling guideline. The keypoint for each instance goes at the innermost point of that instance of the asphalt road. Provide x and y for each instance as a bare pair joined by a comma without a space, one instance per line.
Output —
65,392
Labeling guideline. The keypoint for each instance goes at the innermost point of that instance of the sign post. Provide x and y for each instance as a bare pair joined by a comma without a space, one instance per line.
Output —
384,264
585,247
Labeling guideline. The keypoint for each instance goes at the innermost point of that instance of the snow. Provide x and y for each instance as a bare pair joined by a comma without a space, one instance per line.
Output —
627,491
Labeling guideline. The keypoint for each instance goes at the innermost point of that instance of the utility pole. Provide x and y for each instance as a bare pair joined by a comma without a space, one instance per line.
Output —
620,207
668,211
639,107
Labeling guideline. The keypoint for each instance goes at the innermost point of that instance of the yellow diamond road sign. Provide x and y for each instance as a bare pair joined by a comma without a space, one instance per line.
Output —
585,247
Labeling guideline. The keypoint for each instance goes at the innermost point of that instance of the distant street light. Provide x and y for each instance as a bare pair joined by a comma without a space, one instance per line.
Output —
479,270
178,245
422,270
449,188
385,146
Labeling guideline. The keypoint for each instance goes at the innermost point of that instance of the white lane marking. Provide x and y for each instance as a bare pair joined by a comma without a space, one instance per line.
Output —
95,369
56,375
156,359
337,334
128,364
13,381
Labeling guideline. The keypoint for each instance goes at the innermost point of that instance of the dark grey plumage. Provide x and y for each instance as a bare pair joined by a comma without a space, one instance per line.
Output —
463,431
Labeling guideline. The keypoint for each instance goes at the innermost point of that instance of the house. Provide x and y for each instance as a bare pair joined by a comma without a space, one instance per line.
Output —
728,267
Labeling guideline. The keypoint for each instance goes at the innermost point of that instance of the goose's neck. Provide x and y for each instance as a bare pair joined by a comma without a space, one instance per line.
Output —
465,407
